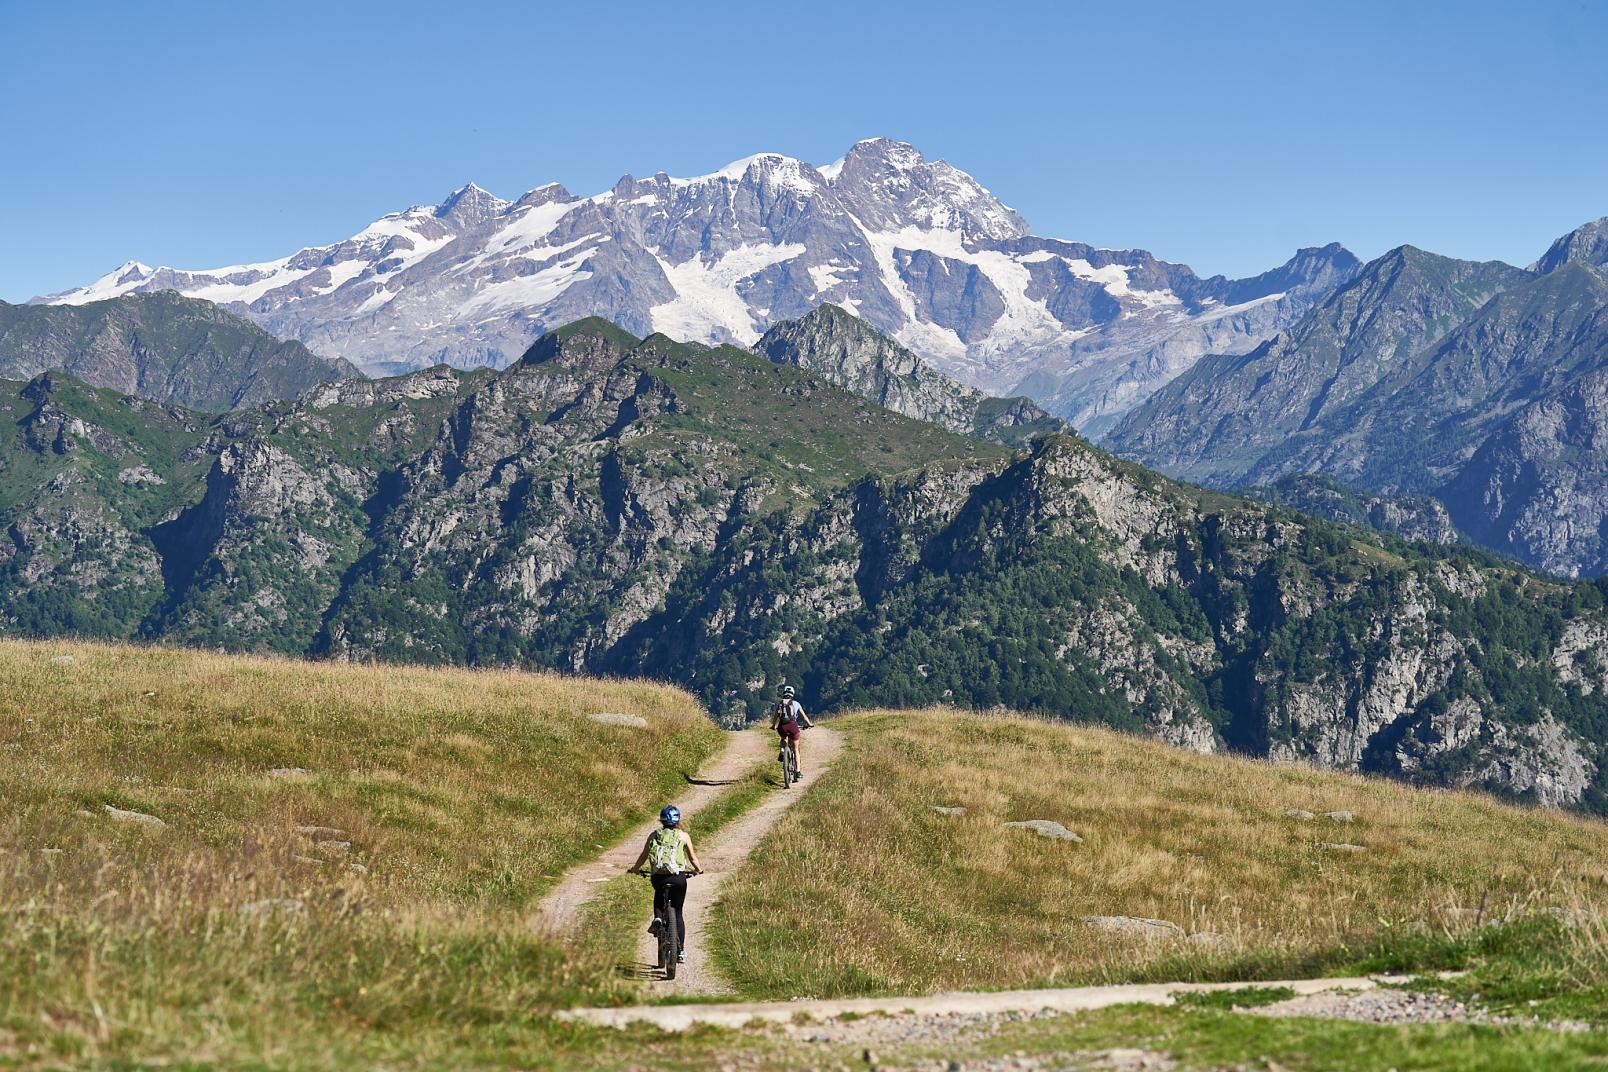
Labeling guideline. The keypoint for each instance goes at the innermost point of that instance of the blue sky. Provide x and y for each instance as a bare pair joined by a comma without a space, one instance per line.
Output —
1220,135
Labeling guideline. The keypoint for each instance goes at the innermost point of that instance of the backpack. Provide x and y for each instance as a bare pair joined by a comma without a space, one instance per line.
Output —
667,854
787,712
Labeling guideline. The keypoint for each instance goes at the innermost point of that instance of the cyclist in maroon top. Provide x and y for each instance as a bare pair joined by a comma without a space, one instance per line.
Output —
788,720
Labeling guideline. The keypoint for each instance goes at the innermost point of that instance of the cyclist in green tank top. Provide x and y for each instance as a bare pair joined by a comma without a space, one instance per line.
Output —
673,859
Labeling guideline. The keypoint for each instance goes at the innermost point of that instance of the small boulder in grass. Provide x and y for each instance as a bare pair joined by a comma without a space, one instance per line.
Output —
1301,813
321,833
137,818
1340,816
942,810
1341,846
1136,925
616,718
63,660
1047,828
288,772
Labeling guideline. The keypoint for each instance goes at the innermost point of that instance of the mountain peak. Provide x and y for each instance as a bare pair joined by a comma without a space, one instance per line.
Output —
470,204
894,186
900,155
835,344
1587,243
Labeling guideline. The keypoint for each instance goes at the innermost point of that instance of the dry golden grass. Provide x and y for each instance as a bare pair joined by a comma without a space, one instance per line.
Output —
870,890
461,794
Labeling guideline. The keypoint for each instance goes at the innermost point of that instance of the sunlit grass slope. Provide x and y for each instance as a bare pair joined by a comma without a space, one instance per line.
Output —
447,800
880,893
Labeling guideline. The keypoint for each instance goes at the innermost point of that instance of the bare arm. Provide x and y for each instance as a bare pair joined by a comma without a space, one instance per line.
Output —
807,720
692,853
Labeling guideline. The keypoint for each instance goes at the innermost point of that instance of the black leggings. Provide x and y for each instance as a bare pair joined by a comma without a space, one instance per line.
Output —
669,894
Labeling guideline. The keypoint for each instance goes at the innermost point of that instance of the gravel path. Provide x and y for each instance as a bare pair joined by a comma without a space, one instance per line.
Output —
979,1003
1399,1007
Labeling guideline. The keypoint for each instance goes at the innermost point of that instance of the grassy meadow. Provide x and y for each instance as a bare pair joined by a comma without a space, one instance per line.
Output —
444,802
348,856
886,895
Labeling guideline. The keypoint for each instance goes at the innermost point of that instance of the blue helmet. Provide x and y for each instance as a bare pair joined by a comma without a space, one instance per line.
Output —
670,815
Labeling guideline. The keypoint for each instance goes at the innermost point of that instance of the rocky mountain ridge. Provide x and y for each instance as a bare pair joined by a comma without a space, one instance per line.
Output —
703,514
918,248
1480,385
845,350
161,347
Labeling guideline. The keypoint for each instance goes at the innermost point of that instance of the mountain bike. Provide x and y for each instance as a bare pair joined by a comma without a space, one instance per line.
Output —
668,929
789,758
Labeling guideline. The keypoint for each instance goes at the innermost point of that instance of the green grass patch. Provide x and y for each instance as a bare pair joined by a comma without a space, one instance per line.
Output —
1249,997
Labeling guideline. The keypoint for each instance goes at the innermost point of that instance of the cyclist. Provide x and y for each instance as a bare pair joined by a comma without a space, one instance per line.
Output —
673,858
786,719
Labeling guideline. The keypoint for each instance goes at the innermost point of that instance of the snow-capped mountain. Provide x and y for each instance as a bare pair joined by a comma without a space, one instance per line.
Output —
917,247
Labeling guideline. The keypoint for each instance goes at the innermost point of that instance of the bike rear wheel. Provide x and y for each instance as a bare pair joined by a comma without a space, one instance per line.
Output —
669,944
789,765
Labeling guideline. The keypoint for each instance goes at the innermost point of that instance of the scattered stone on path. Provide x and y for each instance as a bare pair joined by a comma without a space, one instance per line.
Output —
942,810
1148,928
615,718
321,833
118,815
1340,816
1301,813
288,772
287,905
1341,846
1046,828
63,660
1131,1060
1386,1005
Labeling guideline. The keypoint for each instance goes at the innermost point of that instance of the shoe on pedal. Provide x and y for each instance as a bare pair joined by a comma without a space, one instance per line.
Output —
656,926
681,958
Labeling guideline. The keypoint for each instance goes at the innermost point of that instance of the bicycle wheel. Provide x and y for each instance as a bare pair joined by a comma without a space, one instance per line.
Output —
669,943
787,765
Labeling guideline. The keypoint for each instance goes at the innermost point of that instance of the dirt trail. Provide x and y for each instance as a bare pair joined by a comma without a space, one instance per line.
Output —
725,853
559,913
1070,999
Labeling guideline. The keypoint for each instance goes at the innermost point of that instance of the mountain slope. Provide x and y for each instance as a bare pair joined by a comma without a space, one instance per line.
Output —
918,248
1493,410
707,516
1216,422
162,347
847,351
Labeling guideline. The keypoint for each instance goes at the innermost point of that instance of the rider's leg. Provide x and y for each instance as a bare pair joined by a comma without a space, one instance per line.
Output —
676,896
661,897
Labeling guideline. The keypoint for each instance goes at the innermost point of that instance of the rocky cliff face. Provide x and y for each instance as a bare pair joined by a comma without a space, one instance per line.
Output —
708,516
1412,517
845,350
916,247
161,347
